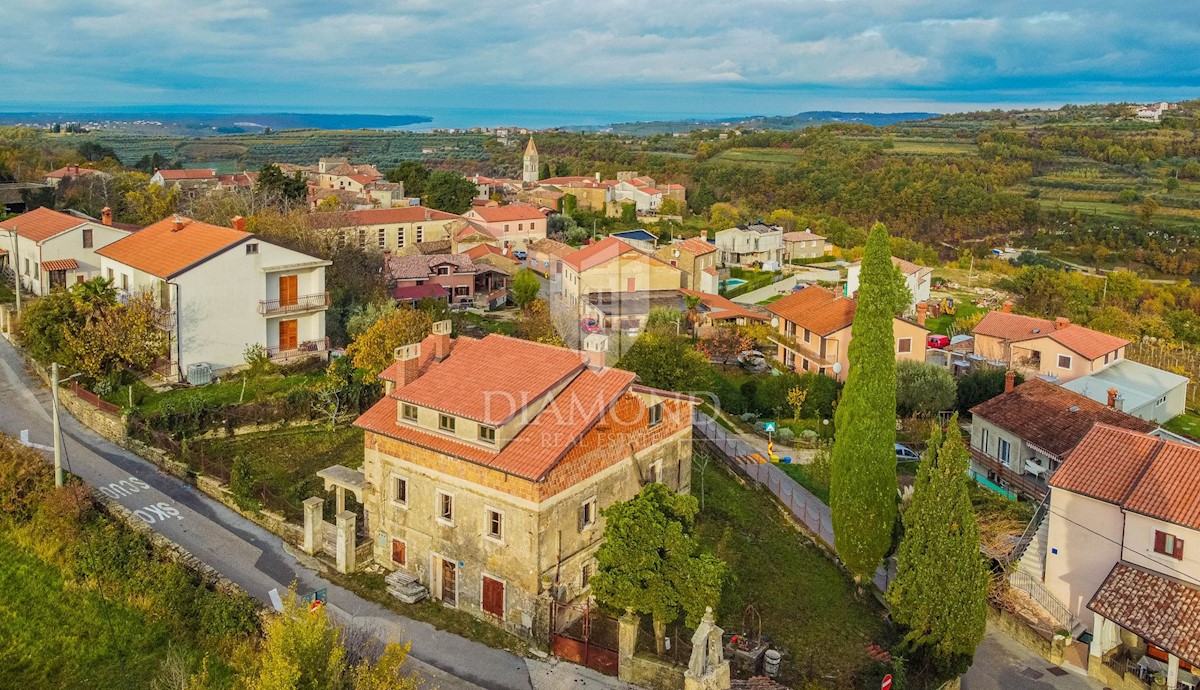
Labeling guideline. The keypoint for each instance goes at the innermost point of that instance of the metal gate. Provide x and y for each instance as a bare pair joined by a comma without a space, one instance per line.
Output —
582,635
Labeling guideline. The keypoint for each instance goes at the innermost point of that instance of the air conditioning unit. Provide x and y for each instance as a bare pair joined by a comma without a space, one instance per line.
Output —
199,374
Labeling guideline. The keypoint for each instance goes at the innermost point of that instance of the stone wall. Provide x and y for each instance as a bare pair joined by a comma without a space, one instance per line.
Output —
1020,631
648,671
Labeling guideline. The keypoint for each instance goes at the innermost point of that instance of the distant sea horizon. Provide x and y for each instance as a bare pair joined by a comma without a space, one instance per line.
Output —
430,118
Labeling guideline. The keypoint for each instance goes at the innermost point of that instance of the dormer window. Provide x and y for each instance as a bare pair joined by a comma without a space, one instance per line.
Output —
446,423
487,434
443,270
408,412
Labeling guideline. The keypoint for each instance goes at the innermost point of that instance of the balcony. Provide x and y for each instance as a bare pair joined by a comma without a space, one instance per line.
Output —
1027,484
307,348
303,303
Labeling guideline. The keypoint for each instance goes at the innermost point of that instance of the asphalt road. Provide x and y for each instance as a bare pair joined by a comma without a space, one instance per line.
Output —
1002,663
242,551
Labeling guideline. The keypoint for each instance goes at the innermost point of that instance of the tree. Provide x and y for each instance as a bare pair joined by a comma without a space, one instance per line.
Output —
980,386
412,174
272,180
665,320
544,171
569,203
525,287
374,350
863,488
44,327
449,191
628,213
671,206
537,324
923,389
724,344
650,561
121,337
562,169
1147,209
363,316
667,361
796,397
940,592
151,204
722,215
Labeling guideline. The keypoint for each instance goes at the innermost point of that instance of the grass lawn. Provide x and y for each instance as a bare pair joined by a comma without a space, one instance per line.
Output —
285,461
229,391
805,478
773,298
477,325
808,605
1186,424
962,307
748,155
69,637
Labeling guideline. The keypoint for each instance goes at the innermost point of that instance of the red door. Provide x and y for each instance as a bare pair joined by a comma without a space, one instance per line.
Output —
493,597
399,552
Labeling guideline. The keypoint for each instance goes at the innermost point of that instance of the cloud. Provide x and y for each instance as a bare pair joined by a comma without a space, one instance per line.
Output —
339,56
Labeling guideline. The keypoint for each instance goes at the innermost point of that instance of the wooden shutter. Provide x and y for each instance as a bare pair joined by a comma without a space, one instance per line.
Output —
399,552
288,333
1178,549
493,597
1160,541
580,519
288,286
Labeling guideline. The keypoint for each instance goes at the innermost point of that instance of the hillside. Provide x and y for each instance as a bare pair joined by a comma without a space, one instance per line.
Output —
751,122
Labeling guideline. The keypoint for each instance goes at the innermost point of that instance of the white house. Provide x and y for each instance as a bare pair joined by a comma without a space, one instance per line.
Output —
754,243
1142,390
917,278
646,198
55,249
222,290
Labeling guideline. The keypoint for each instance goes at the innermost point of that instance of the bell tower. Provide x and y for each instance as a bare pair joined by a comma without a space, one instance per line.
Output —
529,174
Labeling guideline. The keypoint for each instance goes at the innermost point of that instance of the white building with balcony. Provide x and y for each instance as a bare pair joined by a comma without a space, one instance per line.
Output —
754,244
221,291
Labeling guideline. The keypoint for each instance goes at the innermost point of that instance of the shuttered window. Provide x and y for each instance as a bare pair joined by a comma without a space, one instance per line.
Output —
1168,544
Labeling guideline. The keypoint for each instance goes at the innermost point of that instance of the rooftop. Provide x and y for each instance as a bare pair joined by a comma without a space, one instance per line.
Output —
500,214
1052,417
696,246
421,266
637,235
41,224
722,308
595,254
1018,327
1160,609
187,174
816,309
164,251
1137,383
801,236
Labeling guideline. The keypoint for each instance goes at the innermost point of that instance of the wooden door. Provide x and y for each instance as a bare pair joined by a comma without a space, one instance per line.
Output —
449,583
399,552
493,597
288,335
288,287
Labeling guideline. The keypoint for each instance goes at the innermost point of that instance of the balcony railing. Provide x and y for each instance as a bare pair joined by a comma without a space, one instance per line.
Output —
273,307
303,349
1023,483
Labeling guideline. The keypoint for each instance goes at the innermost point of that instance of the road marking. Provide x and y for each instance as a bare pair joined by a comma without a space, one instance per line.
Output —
157,512
30,444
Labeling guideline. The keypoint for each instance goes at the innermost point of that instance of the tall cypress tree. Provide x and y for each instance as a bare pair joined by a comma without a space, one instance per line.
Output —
862,491
939,594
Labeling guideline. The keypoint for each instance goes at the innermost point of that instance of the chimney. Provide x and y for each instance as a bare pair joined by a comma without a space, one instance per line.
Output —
597,177
1007,306
922,309
1010,379
177,223
1112,398
441,340
428,214
410,358
239,223
106,216
1061,323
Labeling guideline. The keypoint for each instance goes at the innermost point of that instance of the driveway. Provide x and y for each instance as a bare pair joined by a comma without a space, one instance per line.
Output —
1002,663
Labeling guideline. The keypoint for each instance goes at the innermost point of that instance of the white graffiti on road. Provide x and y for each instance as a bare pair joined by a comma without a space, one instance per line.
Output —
150,514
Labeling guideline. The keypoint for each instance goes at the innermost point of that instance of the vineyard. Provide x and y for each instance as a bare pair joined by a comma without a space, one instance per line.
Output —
229,153
1178,358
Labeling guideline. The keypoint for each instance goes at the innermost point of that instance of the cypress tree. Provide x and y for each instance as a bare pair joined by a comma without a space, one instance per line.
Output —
862,491
939,594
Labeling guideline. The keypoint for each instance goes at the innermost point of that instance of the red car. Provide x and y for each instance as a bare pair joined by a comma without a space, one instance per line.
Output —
937,342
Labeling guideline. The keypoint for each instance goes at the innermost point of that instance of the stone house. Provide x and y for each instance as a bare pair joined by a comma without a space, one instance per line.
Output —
489,462
814,325
1057,350
191,183
697,261
390,229
612,266
514,225
804,244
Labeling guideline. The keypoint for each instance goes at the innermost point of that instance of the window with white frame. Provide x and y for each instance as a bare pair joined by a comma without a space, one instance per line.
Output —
588,514
445,508
487,434
446,423
1064,361
656,414
1004,451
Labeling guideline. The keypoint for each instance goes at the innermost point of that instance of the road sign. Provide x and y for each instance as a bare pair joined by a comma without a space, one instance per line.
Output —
887,682
769,427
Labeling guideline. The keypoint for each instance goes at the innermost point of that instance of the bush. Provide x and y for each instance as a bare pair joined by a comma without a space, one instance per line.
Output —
25,480
785,435
923,389
980,386
258,361
243,483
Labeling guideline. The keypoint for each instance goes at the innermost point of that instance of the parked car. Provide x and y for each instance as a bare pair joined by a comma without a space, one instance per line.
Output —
906,454
936,341
520,254
591,325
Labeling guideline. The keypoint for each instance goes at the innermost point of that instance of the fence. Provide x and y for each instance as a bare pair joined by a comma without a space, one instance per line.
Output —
1027,584
94,400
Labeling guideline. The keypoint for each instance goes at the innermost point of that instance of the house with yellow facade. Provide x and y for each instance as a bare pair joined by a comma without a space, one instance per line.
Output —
696,260
612,266
1057,350
389,229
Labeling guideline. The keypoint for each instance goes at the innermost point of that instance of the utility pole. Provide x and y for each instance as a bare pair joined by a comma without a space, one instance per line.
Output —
58,468
16,268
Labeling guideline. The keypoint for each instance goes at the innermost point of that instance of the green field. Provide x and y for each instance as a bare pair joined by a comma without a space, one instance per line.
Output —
1186,424
56,635
778,156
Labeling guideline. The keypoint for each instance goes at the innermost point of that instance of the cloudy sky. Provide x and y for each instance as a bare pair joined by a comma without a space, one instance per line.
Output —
619,56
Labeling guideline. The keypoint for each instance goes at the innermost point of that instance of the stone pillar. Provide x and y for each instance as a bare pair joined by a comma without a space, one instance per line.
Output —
314,517
707,668
341,500
541,616
1172,671
627,630
345,542
1057,646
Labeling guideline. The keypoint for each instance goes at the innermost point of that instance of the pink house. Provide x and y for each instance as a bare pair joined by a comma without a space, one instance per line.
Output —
515,225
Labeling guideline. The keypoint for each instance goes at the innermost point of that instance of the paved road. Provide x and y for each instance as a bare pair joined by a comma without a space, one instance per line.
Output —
244,552
1002,663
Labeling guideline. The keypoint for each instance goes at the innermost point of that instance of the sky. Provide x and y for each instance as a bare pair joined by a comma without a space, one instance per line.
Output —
618,57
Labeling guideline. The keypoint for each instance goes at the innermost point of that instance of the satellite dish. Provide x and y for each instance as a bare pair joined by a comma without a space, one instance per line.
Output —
675,252
774,321
837,367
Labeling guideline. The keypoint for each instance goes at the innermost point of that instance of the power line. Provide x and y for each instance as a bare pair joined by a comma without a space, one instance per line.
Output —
1121,544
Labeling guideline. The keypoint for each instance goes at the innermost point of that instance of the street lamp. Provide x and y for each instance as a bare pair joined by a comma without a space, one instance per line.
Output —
54,383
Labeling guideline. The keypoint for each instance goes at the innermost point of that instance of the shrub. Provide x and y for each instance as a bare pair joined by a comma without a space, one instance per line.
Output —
980,386
110,553
243,483
785,435
25,480
228,615
923,389
258,361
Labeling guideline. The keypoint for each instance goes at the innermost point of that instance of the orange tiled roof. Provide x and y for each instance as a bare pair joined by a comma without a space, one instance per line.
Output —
1018,327
60,265
1051,417
1162,610
380,216
500,214
474,228
696,246
392,372
481,250
596,254
188,174
723,308
816,309
162,251
1106,463
41,224
517,372
553,247
1170,488
71,171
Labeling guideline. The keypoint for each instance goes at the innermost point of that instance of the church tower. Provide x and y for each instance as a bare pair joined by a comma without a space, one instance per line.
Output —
530,174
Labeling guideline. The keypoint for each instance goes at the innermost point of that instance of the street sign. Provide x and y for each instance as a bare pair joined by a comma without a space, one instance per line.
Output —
887,682
769,427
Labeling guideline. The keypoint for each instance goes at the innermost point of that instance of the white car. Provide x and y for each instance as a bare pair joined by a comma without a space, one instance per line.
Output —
906,454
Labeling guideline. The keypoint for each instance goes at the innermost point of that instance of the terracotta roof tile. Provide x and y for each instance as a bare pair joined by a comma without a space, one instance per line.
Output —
722,308
1162,610
473,228
425,291
1170,488
60,265
162,251
552,247
499,214
816,309
598,253
392,372
71,171
518,372
188,174
1107,463
1018,327
696,246
41,224
1052,417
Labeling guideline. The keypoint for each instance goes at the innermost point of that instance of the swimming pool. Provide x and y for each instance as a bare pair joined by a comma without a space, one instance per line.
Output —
733,282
